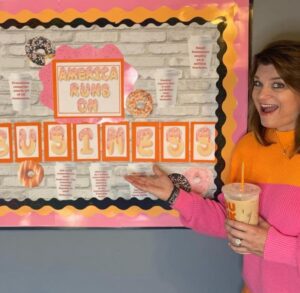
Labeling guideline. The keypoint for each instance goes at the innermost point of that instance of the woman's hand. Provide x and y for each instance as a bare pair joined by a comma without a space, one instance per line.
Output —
159,184
252,238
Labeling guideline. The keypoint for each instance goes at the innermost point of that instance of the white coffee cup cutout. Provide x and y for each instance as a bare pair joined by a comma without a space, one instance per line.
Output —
166,83
200,54
20,91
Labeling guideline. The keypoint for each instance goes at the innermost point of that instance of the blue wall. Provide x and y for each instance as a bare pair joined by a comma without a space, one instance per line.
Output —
111,261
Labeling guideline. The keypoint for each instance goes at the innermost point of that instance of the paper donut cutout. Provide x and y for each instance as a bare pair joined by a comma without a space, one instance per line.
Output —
139,103
35,45
200,179
30,173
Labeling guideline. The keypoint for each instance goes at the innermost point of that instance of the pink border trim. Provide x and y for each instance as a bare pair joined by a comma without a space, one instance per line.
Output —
241,46
97,221
14,6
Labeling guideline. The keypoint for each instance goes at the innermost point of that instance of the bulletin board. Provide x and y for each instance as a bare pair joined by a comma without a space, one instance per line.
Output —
94,90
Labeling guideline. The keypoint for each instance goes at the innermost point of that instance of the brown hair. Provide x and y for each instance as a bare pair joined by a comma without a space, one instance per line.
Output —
284,55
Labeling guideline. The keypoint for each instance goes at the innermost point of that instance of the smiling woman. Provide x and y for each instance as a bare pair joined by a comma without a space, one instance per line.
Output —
277,104
275,87
270,153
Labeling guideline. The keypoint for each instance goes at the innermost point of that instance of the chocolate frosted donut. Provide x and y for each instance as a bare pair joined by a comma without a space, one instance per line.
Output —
180,181
33,46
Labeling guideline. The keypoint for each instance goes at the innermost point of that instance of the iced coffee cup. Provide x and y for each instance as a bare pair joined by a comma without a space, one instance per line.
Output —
242,202
20,91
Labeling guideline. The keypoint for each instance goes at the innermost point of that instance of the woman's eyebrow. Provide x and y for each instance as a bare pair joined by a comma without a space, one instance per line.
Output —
272,78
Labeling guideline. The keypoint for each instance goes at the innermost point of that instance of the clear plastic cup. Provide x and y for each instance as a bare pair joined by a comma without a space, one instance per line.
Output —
242,203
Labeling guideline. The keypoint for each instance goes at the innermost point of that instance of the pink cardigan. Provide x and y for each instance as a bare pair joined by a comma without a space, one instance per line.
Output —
278,271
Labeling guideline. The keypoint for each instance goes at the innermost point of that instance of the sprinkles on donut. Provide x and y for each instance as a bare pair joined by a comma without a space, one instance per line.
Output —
139,103
34,47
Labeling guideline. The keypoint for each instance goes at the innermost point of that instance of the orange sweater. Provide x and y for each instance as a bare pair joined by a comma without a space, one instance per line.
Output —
279,177
266,164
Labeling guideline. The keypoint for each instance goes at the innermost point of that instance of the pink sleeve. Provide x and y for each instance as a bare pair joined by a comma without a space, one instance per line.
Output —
282,248
203,215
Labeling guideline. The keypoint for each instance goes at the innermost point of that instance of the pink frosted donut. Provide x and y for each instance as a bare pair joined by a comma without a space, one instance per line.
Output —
201,179
203,132
174,132
57,130
85,131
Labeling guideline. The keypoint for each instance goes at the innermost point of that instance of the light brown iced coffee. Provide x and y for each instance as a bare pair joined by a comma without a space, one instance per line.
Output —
242,202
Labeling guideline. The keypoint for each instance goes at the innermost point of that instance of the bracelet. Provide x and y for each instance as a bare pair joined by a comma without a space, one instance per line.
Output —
173,195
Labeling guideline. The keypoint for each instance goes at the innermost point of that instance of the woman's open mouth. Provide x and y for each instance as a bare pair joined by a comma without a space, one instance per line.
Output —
268,108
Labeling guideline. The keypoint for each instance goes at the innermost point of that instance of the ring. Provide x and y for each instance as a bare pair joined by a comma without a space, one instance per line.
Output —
238,242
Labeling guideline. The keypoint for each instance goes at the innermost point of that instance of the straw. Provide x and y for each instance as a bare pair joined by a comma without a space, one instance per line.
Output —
243,177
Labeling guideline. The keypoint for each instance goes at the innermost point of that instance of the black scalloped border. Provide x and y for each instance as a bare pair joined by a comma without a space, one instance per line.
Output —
121,203
220,139
101,22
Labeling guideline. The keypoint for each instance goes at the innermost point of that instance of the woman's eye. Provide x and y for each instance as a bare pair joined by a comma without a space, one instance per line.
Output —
256,83
278,85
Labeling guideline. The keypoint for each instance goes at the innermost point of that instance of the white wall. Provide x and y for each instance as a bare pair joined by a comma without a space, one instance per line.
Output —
146,49
274,19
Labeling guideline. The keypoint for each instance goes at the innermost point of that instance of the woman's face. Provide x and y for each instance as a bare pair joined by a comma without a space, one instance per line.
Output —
277,104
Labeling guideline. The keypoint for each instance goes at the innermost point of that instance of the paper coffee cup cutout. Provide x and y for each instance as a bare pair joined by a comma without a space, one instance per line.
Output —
139,194
100,177
20,91
140,168
65,178
166,82
200,54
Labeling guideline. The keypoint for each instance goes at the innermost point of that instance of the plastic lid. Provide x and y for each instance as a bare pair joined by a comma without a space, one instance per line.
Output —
235,191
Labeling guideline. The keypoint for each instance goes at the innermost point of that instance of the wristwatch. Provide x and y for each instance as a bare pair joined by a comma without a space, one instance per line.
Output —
173,195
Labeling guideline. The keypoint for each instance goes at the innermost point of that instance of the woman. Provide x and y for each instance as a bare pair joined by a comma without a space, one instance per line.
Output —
271,152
